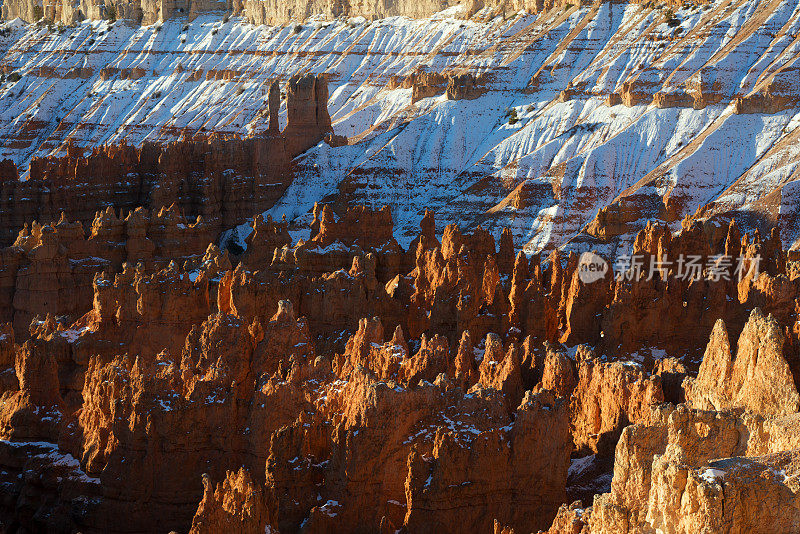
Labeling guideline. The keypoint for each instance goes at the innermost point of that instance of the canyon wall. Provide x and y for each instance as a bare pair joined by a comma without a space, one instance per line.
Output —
343,383
439,364
256,11
570,125
222,180
135,12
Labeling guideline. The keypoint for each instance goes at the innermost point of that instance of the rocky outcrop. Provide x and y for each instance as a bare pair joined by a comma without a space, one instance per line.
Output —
760,378
608,398
423,84
223,179
688,469
519,459
52,266
307,113
501,370
260,12
235,504
621,216
262,242
465,86
137,12
342,383
776,93
32,405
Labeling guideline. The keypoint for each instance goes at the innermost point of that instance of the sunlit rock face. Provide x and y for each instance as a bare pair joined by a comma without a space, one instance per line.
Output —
345,384
325,275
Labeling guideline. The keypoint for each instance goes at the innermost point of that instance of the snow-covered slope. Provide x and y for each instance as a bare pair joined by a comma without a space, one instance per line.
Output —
695,109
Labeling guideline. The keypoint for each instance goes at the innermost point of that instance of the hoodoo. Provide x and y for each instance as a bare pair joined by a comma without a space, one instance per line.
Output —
399,267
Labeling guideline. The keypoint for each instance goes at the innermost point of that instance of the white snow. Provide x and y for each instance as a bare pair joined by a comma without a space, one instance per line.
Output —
579,465
711,474
56,458
459,158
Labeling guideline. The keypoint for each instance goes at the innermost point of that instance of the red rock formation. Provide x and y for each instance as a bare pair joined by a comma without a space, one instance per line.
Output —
558,373
236,504
464,369
687,469
607,398
33,411
760,377
465,86
460,281
225,180
325,388
261,244
513,462
501,370
425,84
307,112
54,265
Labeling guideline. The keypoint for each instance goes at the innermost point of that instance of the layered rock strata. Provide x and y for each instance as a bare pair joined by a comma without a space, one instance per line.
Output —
223,179
532,120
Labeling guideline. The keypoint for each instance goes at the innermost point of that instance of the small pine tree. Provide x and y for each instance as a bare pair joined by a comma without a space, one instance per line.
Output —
513,118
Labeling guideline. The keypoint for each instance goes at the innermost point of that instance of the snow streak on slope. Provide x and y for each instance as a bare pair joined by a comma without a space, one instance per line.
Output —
612,100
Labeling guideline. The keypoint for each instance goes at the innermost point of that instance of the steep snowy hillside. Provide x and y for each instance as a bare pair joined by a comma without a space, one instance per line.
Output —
576,119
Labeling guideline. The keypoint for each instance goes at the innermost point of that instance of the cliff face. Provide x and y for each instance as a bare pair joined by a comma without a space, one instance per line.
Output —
334,367
256,11
222,180
685,470
571,125
275,12
131,11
